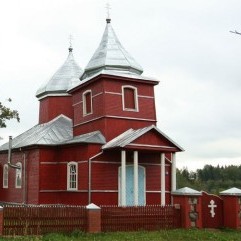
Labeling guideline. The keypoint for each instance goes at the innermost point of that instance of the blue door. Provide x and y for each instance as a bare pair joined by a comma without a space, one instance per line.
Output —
130,185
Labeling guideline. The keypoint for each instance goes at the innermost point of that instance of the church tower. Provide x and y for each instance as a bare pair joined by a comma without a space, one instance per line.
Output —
53,98
112,95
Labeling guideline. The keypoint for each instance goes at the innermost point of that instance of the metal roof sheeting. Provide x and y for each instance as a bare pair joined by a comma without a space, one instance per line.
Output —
56,132
111,54
130,135
66,76
186,191
232,192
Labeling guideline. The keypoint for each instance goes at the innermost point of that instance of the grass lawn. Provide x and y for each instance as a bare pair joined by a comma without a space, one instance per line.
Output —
172,235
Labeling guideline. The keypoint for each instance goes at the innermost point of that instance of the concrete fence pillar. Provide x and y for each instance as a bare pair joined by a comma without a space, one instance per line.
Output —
1,220
232,208
93,218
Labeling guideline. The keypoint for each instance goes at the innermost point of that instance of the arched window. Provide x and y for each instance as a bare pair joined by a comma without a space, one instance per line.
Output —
5,176
72,176
18,180
129,98
87,102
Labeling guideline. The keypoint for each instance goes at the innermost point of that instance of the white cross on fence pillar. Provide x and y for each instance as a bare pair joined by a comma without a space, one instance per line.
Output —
212,206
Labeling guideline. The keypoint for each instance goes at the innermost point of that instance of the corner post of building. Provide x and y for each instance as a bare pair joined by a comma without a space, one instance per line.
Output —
123,178
163,180
174,181
93,218
135,178
1,220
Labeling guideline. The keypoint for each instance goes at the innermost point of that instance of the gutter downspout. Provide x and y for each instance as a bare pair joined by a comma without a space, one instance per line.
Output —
10,154
89,186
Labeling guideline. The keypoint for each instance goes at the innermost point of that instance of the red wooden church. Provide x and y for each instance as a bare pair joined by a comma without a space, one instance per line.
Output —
96,140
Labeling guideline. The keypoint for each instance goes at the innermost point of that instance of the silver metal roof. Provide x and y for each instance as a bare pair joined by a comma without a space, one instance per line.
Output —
111,55
130,135
58,131
232,192
66,76
92,137
187,191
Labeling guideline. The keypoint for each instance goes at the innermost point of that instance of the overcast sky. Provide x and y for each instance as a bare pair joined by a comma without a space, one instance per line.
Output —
185,44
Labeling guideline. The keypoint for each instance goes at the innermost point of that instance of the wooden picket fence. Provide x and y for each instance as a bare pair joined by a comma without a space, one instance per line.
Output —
153,217
35,220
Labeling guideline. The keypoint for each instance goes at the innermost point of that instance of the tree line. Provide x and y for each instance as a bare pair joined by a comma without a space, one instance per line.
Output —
210,179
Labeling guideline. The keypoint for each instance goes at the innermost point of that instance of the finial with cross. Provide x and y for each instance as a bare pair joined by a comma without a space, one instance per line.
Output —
70,43
108,19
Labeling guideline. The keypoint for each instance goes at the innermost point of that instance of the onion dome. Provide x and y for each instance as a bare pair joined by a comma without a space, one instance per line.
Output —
111,55
66,76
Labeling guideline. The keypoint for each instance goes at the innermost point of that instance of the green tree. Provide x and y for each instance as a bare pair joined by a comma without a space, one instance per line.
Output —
7,114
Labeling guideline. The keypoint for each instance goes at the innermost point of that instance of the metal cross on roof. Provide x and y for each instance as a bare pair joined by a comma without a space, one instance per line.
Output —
70,40
70,43
108,9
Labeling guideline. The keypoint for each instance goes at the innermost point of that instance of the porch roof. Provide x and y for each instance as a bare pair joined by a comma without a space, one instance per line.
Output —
125,139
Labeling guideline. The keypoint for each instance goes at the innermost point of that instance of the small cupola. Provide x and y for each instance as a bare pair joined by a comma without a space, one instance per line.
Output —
66,76
111,55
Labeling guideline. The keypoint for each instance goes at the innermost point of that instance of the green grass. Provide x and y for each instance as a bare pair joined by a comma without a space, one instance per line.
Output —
167,235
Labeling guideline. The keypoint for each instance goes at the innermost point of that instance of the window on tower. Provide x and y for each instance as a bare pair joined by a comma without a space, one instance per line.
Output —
129,98
87,102
72,175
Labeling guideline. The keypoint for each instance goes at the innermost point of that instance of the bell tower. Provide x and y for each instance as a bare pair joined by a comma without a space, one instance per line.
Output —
113,96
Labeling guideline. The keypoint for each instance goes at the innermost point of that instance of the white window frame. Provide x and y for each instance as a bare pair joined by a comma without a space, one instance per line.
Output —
69,176
135,98
18,173
84,102
5,175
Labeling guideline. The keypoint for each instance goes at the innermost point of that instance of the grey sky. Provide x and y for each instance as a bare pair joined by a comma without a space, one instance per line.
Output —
184,44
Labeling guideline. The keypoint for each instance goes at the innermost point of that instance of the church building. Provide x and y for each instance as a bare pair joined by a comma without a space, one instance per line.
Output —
96,140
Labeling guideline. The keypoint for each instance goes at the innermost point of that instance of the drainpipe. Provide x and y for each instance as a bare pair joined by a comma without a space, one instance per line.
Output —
89,186
10,154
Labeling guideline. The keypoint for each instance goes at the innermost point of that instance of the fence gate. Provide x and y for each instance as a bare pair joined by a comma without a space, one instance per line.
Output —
212,211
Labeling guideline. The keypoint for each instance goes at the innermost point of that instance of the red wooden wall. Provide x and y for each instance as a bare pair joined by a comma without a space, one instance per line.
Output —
108,115
53,106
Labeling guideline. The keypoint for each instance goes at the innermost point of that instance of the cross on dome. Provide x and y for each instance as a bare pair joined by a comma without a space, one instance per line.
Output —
108,19
70,43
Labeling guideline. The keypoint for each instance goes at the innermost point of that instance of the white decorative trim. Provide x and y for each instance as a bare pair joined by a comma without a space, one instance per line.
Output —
69,188
5,175
106,162
112,93
107,191
114,117
145,145
152,191
136,109
55,163
63,191
146,96
129,118
18,174
84,102
163,179
139,96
